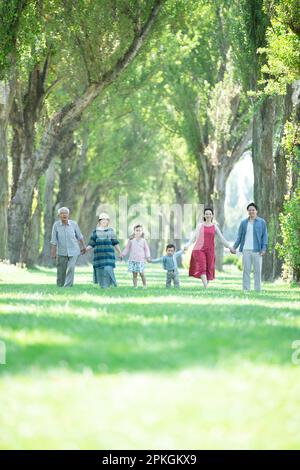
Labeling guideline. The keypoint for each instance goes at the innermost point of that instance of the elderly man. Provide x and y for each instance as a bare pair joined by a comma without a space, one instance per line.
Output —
65,240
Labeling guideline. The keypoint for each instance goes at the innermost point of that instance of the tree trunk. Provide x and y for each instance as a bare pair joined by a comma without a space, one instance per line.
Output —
25,113
270,172
7,93
221,175
209,184
19,214
67,191
6,96
30,253
281,176
72,161
154,245
295,174
87,218
45,257
175,227
264,174
3,191
37,161
219,212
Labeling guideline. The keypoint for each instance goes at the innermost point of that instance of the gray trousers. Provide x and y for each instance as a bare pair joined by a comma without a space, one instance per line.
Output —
172,276
251,258
65,270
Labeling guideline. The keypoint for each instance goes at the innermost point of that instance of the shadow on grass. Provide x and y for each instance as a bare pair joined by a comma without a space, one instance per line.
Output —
197,291
131,337
46,271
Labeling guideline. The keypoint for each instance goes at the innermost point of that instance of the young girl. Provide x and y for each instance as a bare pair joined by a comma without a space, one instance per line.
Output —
139,252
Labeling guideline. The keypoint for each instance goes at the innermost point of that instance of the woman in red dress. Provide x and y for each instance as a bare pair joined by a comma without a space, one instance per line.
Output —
202,264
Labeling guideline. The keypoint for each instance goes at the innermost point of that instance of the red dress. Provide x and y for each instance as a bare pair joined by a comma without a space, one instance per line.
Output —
203,254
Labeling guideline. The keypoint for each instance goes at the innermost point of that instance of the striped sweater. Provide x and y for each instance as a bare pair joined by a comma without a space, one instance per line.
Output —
103,242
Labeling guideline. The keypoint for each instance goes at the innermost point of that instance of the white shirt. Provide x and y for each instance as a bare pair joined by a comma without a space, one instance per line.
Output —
249,237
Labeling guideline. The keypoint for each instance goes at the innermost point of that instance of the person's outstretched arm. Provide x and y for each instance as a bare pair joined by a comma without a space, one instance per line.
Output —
126,249
179,253
265,239
239,237
147,251
118,249
157,260
53,241
80,238
115,243
92,243
194,236
221,237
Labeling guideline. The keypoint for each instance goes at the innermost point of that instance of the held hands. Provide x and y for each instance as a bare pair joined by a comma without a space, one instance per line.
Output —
232,250
149,260
83,251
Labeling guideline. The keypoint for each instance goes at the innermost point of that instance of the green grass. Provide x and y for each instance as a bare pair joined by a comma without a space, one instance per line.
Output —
122,368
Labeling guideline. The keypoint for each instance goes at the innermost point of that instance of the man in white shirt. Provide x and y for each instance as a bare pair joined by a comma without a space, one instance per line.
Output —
252,239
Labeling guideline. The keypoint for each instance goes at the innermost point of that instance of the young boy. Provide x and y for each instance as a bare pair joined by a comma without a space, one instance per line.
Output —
170,264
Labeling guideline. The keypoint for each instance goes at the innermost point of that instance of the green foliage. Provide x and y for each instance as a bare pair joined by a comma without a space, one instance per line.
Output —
282,48
186,80
247,24
96,34
174,101
290,218
290,232
123,153
12,27
233,260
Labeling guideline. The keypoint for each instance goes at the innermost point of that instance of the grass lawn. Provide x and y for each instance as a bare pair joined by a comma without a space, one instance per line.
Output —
153,369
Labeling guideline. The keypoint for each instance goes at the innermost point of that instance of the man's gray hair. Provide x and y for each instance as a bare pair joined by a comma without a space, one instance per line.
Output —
63,209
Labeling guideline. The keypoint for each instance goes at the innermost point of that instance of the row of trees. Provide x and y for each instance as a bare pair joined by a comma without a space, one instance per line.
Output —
63,55
156,100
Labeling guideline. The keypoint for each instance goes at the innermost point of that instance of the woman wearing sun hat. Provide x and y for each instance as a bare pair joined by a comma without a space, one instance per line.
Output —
104,242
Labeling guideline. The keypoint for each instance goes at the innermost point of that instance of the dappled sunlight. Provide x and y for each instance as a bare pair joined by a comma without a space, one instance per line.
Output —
138,137
58,303
222,401
85,347
35,337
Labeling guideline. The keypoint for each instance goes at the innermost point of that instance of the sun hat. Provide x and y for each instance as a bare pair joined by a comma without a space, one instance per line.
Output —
103,215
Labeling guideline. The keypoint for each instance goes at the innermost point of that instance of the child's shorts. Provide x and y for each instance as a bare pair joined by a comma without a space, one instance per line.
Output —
136,266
